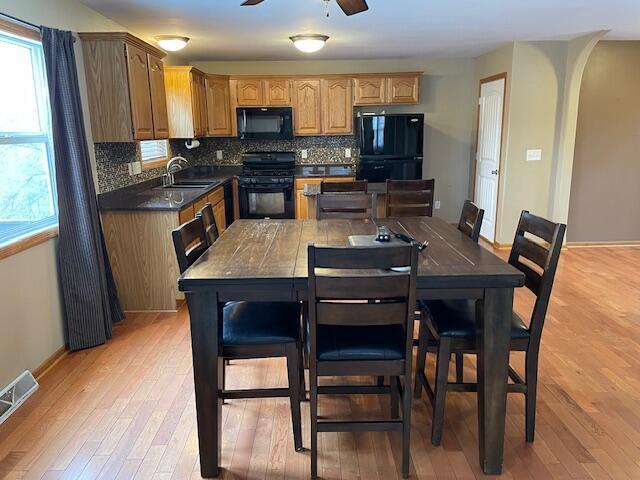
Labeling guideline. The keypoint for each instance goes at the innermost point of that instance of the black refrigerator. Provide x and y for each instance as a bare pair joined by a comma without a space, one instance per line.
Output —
390,147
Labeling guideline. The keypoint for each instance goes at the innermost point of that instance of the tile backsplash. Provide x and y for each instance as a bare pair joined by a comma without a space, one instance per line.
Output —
112,158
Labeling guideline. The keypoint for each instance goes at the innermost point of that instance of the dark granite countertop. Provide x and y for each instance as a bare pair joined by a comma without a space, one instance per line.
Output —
326,170
147,196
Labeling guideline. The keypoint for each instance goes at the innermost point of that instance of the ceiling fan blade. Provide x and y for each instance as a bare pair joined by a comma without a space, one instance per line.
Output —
351,7
250,3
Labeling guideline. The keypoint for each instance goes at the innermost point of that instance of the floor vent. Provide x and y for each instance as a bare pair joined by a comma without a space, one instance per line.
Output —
14,394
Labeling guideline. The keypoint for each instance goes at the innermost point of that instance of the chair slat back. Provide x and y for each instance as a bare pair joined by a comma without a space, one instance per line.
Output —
344,205
355,286
538,260
343,187
190,242
410,198
470,221
209,222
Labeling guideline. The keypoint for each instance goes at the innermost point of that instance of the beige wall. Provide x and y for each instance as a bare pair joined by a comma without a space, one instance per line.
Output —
32,321
447,98
606,170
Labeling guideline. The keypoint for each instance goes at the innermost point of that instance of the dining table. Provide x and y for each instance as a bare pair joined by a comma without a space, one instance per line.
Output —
266,260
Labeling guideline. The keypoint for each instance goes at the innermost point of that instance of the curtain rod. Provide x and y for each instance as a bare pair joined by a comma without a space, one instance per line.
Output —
30,25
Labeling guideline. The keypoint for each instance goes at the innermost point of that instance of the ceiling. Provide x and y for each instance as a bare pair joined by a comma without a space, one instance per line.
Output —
222,30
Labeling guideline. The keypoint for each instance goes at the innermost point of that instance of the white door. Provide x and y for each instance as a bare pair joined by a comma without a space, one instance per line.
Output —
488,153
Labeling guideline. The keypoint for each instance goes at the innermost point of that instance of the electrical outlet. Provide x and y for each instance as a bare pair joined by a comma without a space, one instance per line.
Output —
534,155
436,205
219,154
304,154
137,168
130,168
347,153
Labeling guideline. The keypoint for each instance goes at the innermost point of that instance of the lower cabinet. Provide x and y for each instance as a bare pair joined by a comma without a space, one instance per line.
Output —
142,256
306,205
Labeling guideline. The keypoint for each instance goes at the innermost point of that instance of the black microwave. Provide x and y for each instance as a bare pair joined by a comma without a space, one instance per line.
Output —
265,123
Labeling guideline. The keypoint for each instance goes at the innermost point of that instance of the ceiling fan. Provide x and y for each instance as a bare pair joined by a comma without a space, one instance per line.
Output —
349,7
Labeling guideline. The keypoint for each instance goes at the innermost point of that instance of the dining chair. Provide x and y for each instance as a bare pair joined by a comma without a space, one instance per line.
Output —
361,314
452,324
252,330
345,205
470,221
410,198
209,221
344,187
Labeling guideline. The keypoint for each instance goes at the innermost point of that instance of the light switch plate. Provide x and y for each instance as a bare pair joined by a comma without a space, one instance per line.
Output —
137,168
130,168
347,153
304,154
218,154
436,204
534,155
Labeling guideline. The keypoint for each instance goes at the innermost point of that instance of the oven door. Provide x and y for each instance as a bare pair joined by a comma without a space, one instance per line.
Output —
257,201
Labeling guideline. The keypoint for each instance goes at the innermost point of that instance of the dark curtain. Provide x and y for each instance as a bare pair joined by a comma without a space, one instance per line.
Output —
89,291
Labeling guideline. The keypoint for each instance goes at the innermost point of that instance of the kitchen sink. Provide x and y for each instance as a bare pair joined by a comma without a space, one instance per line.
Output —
187,185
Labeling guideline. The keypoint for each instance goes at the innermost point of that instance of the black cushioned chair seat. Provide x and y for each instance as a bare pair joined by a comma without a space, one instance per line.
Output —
375,342
259,323
456,318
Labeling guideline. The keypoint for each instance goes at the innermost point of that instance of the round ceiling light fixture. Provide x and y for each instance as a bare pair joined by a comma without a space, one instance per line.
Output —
309,43
172,43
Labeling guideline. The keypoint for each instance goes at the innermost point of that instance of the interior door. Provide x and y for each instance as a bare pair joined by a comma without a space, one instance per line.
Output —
488,153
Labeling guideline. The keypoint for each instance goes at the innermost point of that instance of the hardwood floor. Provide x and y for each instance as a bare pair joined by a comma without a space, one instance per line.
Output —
126,409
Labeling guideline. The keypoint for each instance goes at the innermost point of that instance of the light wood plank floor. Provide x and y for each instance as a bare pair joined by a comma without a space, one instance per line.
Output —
126,409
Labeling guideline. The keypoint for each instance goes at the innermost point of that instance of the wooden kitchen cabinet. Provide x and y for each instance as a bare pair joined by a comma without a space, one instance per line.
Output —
403,89
125,86
369,90
277,91
307,118
306,205
250,92
219,114
337,106
158,98
186,102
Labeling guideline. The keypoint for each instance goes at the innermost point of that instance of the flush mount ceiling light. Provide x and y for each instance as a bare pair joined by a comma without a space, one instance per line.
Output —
172,43
309,43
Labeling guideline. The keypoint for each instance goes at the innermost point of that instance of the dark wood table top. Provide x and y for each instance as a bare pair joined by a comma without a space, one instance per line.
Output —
272,251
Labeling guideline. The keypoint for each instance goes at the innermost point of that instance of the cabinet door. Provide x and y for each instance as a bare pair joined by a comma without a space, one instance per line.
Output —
278,91
306,107
301,206
403,89
158,98
369,91
196,105
337,106
186,214
250,92
139,93
219,215
218,107
202,100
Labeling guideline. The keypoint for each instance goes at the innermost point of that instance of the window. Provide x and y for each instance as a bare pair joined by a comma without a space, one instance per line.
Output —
27,179
153,153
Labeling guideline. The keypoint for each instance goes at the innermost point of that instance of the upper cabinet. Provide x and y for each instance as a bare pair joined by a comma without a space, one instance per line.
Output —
186,102
262,92
385,89
219,114
337,106
125,85
306,107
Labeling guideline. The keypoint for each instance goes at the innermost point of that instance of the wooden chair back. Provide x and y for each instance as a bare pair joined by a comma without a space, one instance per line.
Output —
345,205
537,258
355,286
410,198
209,222
470,221
343,187
189,241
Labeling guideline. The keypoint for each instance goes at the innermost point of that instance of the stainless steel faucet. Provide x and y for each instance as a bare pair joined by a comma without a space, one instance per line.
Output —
174,165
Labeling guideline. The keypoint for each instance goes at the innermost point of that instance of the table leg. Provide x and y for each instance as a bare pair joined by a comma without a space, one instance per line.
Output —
494,336
205,316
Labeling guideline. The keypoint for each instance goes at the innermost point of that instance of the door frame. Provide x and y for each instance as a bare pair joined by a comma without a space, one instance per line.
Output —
492,78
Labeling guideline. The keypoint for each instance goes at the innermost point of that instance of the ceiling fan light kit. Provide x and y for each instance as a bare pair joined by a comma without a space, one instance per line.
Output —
309,43
349,7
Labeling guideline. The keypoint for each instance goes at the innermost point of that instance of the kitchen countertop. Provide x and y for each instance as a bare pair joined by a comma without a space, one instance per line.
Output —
146,195
326,170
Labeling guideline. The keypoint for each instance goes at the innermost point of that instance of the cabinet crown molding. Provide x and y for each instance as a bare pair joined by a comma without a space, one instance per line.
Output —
125,37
